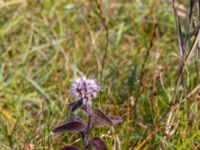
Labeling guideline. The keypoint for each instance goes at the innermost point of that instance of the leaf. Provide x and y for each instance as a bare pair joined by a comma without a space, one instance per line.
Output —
180,34
76,105
100,116
70,126
115,120
75,118
98,143
70,148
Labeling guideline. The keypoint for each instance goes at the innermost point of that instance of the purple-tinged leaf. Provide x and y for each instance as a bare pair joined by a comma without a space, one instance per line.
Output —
71,126
98,143
70,148
76,105
75,118
115,120
100,116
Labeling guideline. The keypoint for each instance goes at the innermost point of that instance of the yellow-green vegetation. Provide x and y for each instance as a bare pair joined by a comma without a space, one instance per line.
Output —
46,44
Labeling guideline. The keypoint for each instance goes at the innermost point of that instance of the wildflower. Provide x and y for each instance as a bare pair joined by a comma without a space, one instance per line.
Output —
85,89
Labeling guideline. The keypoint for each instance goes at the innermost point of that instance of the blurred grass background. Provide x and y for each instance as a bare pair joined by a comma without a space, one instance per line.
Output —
45,44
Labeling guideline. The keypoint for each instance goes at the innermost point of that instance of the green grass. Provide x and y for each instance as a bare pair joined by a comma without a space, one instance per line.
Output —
45,44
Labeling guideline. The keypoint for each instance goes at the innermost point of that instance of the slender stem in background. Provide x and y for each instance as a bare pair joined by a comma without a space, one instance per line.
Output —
103,20
143,66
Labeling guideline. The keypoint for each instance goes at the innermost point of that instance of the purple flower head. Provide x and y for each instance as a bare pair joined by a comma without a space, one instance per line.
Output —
85,89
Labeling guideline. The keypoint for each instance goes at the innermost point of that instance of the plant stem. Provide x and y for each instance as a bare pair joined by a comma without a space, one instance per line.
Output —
86,138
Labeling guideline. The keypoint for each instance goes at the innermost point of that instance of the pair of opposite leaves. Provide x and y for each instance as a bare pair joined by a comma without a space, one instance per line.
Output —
99,119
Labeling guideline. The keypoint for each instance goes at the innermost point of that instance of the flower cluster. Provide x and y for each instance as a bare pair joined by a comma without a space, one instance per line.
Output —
85,89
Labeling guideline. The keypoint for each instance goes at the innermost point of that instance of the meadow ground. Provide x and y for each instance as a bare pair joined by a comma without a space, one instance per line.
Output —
46,44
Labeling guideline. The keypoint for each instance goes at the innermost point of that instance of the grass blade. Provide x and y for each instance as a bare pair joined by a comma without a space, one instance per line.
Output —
180,34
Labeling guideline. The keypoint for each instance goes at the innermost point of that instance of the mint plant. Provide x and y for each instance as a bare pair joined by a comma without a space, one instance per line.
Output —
85,90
